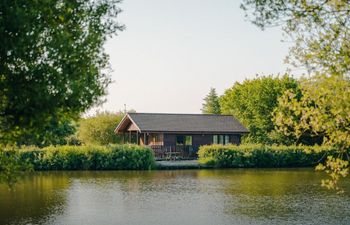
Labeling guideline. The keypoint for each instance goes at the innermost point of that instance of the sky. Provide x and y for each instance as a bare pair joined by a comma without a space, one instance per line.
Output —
173,51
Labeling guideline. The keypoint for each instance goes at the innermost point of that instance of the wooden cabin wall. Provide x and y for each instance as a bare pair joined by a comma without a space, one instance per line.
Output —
201,139
197,140
169,139
235,139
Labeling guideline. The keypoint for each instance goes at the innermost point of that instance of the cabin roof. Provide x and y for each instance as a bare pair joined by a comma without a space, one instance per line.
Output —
167,122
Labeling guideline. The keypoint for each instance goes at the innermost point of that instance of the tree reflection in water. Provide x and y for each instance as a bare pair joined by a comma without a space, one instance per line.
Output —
203,197
34,198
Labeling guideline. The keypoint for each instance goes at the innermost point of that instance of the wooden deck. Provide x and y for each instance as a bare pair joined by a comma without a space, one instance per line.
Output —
173,152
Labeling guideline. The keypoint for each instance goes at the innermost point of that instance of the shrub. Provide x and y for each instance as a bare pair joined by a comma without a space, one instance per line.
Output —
231,156
112,157
99,129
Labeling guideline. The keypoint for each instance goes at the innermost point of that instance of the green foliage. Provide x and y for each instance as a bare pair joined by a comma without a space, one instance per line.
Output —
211,103
99,129
57,132
335,168
52,64
112,157
319,28
12,167
323,108
231,156
253,101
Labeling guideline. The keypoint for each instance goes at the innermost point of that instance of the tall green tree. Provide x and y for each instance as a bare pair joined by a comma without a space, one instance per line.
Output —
322,108
253,101
99,129
211,103
52,64
319,28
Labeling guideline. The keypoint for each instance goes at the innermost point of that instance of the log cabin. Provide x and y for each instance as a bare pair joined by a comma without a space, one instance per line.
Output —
179,135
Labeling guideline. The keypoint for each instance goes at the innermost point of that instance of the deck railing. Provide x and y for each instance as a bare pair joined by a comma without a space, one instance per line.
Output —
162,152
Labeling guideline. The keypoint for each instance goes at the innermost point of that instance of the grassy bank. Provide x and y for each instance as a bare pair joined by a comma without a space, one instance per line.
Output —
113,157
232,156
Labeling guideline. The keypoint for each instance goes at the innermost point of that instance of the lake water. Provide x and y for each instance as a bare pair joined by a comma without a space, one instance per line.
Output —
196,197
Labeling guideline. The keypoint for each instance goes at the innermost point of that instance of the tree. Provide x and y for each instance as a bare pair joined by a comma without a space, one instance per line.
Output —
99,129
55,132
320,29
253,101
12,167
52,64
211,103
322,108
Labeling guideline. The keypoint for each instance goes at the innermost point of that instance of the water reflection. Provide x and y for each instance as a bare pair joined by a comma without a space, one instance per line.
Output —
238,196
34,198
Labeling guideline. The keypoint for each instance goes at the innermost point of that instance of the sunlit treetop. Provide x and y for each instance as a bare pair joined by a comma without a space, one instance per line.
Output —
319,28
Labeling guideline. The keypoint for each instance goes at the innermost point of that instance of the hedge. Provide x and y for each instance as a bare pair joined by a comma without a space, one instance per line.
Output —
233,156
113,157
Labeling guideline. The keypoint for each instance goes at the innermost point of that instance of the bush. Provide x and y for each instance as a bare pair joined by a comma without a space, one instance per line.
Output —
99,129
112,157
231,156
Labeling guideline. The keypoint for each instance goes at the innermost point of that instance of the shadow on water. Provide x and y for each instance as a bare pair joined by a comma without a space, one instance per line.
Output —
233,196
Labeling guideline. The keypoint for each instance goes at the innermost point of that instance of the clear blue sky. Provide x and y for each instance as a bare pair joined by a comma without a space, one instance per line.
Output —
173,51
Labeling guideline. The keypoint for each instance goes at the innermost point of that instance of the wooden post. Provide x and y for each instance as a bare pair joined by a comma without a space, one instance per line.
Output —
129,136
137,138
144,139
123,137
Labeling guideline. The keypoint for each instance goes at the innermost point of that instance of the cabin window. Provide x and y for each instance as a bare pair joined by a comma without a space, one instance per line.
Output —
188,140
221,139
133,138
215,139
183,140
156,139
227,139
